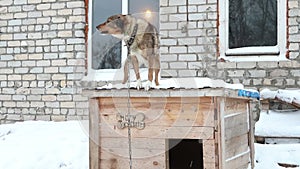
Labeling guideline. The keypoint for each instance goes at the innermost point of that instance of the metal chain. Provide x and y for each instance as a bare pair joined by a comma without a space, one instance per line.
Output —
128,107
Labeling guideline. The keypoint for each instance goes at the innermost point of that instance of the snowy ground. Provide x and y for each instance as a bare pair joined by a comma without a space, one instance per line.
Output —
64,145
43,145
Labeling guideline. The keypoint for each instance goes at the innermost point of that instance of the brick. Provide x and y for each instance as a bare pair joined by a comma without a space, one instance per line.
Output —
176,2
76,19
63,12
75,4
19,2
14,77
43,20
34,14
20,15
279,73
50,13
265,65
187,57
58,77
295,73
58,5
67,104
58,118
178,49
21,70
178,65
48,98
36,70
246,65
257,73
168,10
187,73
58,62
43,117
29,77
43,77
236,73
43,6
27,8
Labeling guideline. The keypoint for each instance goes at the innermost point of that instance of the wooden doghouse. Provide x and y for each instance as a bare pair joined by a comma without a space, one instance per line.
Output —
170,129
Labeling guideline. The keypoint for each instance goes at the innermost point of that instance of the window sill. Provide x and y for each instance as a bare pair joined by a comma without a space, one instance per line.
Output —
253,58
112,75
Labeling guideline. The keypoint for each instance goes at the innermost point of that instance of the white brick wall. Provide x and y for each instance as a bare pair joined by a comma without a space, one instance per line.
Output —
190,47
38,59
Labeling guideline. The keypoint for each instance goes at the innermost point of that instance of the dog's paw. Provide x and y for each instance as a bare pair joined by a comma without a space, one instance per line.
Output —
138,84
148,85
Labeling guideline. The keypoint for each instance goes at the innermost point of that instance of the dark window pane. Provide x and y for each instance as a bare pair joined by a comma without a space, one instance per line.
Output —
252,23
106,50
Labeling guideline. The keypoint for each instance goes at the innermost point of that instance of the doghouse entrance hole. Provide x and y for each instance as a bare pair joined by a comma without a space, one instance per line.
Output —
185,154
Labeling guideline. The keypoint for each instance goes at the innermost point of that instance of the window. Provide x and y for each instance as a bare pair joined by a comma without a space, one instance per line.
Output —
254,28
106,53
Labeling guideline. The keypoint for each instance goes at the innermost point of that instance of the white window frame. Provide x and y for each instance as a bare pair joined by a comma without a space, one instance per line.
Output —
263,53
103,74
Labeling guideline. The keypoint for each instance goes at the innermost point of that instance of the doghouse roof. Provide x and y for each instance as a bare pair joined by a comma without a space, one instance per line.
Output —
171,87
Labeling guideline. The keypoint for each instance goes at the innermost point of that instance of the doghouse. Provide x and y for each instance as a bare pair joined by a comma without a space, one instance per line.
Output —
170,128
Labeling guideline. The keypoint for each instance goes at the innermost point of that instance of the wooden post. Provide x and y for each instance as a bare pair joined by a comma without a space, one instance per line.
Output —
94,133
251,135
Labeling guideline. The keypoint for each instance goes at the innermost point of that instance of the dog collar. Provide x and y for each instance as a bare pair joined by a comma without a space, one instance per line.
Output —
132,37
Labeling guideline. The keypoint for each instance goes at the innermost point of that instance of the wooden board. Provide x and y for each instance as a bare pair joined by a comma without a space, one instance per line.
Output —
238,161
94,134
233,106
171,112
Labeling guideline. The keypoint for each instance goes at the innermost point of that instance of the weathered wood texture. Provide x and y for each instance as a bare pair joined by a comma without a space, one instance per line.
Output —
221,123
94,134
236,137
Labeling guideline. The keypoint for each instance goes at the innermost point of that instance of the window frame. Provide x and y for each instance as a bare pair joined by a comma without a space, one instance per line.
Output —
102,74
263,53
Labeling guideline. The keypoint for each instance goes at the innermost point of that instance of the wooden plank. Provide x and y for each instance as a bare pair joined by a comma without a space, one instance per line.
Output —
136,100
234,105
238,161
209,150
159,132
170,115
136,143
236,145
238,130
136,153
220,105
251,136
112,161
94,134
236,120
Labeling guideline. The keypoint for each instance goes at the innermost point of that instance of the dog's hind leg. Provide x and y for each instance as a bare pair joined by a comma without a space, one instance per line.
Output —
156,76
136,69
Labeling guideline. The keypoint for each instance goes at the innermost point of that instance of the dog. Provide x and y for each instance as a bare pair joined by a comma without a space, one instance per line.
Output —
141,39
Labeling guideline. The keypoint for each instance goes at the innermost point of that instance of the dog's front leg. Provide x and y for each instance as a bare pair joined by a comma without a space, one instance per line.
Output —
136,69
125,79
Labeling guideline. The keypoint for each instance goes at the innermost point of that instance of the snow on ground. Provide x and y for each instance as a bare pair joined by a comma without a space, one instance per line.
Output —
43,145
268,156
278,124
64,145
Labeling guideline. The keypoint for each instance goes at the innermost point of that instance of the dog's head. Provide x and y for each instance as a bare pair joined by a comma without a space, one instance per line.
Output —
114,25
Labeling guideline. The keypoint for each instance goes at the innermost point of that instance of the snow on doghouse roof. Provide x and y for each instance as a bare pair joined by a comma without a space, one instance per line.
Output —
180,83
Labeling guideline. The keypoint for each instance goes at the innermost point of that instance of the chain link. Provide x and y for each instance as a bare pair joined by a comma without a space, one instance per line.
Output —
128,106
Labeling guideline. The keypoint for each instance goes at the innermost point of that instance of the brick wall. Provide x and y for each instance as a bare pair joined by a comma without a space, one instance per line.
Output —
42,57
43,53
194,51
